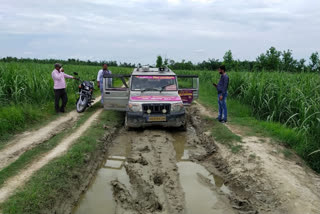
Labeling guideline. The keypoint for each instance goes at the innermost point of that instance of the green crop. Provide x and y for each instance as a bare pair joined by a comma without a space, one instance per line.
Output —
26,92
293,99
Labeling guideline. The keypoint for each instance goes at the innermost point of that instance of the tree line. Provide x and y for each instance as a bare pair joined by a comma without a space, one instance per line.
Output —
272,60
68,62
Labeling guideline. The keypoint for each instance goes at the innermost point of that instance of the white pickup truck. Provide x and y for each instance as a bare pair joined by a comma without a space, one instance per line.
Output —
151,96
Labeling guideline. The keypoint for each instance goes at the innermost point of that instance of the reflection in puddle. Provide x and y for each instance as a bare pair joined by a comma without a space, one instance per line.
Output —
98,199
179,146
201,197
199,194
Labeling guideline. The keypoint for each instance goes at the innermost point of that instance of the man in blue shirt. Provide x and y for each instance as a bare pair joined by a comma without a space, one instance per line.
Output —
222,89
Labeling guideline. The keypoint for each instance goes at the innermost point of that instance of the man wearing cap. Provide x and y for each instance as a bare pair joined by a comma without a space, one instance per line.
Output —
59,87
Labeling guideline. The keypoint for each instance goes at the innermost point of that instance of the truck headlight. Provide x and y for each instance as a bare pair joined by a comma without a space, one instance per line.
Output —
177,107
135,107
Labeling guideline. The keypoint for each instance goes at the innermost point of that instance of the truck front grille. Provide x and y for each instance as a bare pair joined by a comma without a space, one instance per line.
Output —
156,108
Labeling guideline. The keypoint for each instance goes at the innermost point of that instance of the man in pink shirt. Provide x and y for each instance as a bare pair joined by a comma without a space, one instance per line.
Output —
59,87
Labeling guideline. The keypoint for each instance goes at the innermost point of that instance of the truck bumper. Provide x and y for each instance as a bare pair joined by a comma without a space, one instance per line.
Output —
136,120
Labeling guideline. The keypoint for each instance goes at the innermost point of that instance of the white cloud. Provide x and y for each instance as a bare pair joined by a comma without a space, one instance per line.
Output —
175,2
138,30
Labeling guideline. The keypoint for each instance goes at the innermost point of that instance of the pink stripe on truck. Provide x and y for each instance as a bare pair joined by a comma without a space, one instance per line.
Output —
156,98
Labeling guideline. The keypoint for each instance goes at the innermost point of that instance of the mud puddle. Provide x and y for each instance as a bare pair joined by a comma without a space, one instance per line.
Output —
203,191
98,198
151,172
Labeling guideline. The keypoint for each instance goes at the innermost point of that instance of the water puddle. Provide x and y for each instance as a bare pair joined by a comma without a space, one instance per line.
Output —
99,199
202,189
179,144
204,192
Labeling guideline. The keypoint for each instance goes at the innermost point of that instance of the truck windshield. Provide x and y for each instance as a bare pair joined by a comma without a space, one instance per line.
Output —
153,83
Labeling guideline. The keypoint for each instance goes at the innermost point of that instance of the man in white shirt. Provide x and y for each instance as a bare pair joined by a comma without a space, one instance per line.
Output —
101,73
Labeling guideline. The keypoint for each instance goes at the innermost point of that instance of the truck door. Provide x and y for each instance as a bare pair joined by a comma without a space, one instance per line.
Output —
188,88
116,92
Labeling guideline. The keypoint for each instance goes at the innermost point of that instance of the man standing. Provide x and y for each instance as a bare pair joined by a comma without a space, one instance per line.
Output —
59,87
222,89
101,73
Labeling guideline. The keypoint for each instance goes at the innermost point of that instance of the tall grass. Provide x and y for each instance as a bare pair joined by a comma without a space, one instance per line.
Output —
26,95
26,92
290,99
22,83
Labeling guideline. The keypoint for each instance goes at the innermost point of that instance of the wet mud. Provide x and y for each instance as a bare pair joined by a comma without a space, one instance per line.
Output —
165,171
156,171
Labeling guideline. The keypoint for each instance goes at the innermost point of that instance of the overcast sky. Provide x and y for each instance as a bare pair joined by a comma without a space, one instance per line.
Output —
139,30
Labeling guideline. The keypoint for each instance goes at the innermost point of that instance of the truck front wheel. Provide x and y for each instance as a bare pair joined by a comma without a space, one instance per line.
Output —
126,123
183,127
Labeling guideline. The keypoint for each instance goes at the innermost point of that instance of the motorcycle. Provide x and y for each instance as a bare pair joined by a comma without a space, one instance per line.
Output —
85,94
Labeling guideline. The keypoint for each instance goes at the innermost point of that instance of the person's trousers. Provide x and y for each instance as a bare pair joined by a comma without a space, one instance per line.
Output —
101,90
60,94
223,107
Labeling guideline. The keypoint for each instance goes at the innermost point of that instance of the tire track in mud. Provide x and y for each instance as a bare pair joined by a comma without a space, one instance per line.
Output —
17,181
157,174
154,177
270,182
28,140
165,172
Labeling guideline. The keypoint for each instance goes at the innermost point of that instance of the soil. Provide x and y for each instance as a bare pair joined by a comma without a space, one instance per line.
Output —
271,182
165,171
28,140
154,177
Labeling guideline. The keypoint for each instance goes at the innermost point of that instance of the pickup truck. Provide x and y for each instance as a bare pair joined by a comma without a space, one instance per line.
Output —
151,96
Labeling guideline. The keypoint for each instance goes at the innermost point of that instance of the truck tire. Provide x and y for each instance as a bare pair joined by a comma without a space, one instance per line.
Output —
127,128
183,127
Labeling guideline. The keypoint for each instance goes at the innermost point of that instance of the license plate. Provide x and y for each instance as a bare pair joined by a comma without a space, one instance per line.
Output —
157,119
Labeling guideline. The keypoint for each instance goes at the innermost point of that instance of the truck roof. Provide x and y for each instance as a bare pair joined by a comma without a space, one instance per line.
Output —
153,71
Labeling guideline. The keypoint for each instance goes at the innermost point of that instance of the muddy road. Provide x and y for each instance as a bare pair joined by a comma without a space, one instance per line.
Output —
165,171
159,171
151,172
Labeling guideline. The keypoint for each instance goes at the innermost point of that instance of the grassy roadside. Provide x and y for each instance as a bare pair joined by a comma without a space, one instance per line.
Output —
36,152
241,114
56,179
224,135
28,117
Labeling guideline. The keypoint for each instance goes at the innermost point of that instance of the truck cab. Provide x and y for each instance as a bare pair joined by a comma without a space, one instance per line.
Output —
151,96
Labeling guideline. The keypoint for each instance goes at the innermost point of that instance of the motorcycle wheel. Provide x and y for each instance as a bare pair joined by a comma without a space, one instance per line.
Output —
82,104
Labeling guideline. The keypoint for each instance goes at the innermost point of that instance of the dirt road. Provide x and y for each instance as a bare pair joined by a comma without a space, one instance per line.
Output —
166,171
150,171
163,171
273,183
23,176
29,140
